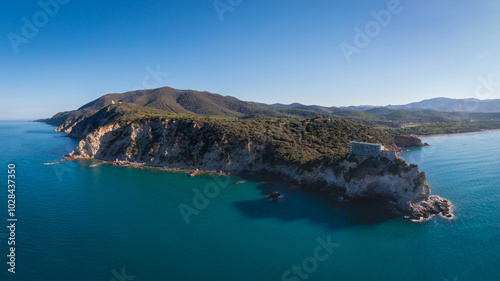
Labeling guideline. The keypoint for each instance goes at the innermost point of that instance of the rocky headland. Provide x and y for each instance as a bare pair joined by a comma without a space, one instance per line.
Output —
309,145
302,152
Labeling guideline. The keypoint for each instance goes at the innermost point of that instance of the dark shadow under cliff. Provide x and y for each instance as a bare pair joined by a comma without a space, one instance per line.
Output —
315,207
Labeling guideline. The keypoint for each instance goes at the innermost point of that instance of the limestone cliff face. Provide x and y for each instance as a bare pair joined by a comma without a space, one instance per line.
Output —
409,190
174,144
170,143
71,123
68,127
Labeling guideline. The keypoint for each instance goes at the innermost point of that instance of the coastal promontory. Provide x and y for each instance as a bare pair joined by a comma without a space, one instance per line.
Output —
312,152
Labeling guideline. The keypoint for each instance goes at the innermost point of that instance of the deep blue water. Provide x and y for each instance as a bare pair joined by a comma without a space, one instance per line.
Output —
77,222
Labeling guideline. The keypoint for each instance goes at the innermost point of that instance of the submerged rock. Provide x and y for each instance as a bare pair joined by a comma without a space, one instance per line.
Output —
274,196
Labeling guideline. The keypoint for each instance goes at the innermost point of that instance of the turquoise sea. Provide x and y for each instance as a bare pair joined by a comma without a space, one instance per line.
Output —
77,222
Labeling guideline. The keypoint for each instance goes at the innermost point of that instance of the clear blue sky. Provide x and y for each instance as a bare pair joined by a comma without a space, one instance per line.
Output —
265,51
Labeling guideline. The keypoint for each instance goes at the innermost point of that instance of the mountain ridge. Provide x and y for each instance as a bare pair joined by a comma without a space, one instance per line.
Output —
445,105
438,104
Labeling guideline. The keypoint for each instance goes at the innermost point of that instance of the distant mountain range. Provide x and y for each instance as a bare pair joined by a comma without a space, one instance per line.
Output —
453,105
437,104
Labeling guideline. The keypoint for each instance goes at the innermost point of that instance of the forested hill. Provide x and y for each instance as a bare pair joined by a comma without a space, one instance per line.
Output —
170,100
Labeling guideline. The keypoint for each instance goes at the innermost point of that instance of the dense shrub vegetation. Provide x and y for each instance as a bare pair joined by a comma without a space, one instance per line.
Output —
447,128
305,143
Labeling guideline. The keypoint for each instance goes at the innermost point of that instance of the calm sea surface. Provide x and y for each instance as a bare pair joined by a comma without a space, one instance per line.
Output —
77,222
